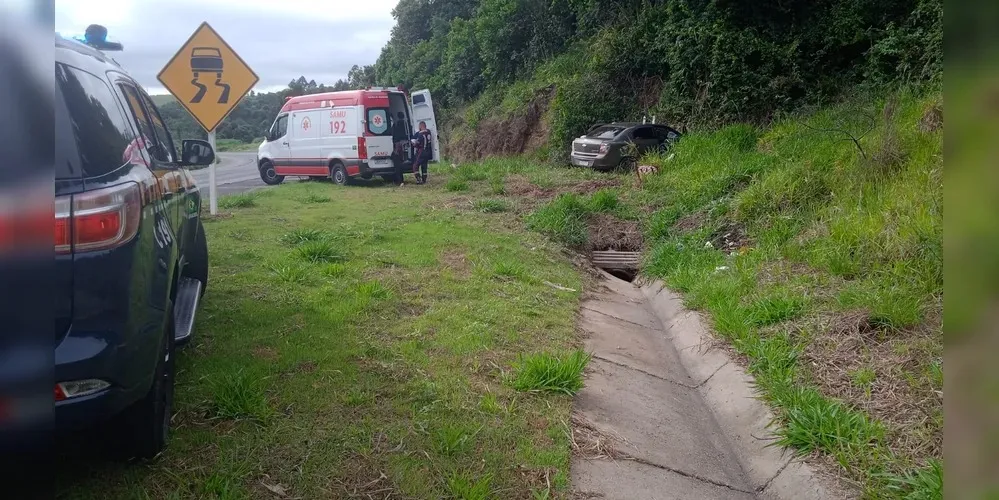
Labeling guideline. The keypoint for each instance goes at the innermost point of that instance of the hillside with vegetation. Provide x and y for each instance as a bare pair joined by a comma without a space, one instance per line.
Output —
499,67
801,213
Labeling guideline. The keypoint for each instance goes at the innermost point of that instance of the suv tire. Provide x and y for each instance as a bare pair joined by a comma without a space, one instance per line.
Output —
268,175
142,430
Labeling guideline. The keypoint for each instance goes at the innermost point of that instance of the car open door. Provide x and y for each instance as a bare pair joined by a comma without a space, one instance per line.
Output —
423,110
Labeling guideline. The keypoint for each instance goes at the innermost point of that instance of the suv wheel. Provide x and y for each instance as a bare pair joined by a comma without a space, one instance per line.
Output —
142,430
269,175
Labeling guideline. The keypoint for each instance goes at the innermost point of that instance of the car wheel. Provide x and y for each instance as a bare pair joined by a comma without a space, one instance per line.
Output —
338,174
269,175
142,430
628,164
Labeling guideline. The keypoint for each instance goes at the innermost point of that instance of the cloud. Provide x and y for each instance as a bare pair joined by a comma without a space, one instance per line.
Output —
279,40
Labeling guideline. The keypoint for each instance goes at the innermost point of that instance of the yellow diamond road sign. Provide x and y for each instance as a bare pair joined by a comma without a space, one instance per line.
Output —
207,77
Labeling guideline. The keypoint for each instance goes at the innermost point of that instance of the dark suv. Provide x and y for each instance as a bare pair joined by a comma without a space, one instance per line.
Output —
604,147
131,257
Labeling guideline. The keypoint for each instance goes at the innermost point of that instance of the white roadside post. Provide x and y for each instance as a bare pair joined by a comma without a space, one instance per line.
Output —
213,195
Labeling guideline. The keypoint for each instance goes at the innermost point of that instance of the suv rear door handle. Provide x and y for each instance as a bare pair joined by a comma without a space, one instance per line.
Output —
285,143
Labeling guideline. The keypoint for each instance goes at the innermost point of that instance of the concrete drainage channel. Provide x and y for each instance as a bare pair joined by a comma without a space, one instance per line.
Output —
663,416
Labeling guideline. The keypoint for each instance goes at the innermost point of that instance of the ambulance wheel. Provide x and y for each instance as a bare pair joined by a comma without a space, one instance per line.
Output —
268,175
338,174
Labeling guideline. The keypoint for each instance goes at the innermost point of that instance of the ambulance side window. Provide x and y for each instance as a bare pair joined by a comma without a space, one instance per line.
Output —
280,128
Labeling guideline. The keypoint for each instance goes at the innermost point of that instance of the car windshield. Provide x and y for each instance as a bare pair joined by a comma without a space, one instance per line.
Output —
605,132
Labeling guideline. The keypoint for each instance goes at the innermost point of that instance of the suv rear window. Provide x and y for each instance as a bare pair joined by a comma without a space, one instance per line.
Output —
92,133
605,132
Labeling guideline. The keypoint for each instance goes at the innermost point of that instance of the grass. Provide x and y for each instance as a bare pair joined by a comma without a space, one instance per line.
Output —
242,200
455,184
920,484
318,252
564,220
292,274
332,347
239,396
464,486
315,198
491,205
301,235
816,423
775,309
551,373
603,200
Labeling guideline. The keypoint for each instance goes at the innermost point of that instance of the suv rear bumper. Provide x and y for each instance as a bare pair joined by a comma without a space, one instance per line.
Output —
81,357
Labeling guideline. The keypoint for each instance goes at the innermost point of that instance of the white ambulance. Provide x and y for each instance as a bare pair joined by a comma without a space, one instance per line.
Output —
346,134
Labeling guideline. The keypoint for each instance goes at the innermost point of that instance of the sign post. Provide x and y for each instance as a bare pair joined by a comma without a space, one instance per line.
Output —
213,203
209,79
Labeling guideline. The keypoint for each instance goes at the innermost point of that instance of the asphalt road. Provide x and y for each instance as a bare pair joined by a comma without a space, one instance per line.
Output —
237,173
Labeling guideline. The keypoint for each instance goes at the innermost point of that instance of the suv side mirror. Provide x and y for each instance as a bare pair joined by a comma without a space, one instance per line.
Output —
196,152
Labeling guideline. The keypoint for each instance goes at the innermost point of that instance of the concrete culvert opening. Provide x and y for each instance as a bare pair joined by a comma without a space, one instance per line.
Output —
623,265
615,245
624,274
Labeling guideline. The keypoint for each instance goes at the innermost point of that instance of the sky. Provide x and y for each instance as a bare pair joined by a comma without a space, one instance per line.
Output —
279,39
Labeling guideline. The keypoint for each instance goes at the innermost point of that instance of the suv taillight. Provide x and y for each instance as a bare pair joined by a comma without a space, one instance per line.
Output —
97,220
362,148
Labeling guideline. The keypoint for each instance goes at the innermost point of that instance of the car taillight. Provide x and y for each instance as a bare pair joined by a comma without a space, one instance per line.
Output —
97,220
604,147
362,148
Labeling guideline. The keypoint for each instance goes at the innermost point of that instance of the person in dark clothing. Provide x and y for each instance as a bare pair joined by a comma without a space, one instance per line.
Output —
399,128
399,139
423,145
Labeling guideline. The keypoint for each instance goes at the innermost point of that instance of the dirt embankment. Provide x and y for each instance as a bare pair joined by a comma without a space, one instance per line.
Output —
524,131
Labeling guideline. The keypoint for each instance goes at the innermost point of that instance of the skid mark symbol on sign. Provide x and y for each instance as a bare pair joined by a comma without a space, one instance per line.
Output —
207,77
